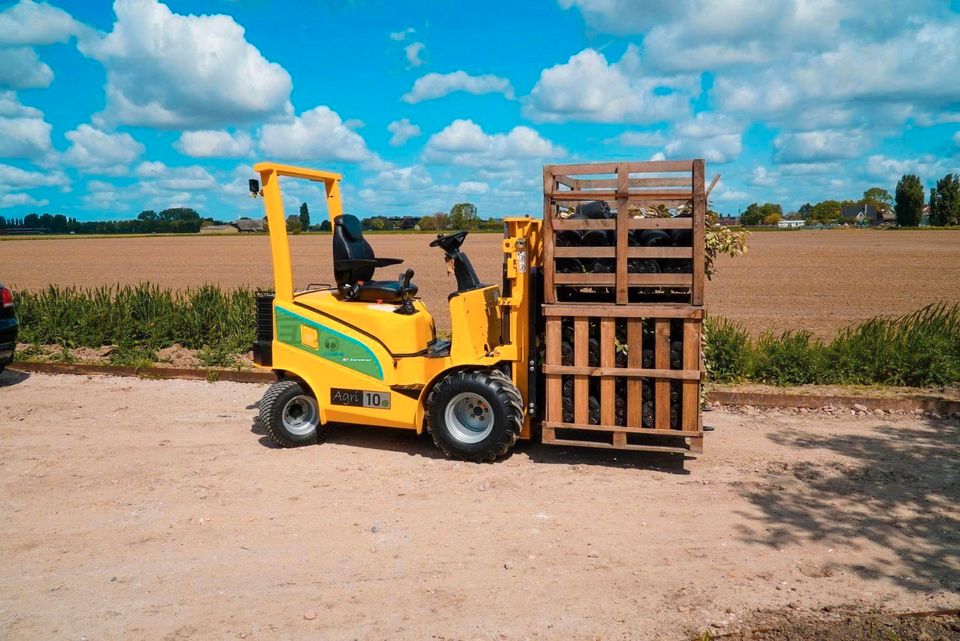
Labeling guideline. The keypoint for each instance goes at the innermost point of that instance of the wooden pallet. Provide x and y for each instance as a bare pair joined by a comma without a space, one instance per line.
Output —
625,186
583,366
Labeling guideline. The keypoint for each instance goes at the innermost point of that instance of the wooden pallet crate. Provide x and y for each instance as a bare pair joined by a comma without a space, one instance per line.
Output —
624,377
629,188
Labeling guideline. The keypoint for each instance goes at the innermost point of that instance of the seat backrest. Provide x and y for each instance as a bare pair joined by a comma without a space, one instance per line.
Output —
349,243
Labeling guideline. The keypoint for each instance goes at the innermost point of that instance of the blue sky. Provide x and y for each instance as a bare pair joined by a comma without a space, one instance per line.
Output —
108,109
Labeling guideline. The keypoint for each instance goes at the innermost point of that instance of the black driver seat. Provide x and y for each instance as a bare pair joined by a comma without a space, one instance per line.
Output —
354,263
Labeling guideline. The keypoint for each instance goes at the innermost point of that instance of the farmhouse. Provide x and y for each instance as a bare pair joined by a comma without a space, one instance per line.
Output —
248,225
219,229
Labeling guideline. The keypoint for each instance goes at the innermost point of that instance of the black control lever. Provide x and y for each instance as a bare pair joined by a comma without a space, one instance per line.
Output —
407,306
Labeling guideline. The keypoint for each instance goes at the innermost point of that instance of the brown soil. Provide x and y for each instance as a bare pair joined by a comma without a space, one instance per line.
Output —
949,393
158,510
854,626
815,280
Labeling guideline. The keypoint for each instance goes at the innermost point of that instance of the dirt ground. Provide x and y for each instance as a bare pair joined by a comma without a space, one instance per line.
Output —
815,280
136,509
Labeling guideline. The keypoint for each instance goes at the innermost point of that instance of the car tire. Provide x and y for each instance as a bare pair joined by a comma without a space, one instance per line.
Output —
475,415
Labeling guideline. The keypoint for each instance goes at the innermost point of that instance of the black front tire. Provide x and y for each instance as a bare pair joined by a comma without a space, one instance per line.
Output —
502,400
290,414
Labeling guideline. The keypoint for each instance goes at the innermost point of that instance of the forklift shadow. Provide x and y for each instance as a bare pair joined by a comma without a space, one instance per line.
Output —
406,442
363,436
10,377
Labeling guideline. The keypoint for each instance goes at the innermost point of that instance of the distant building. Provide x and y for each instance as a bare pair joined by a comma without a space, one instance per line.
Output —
219,229
790,224
248,225
729,221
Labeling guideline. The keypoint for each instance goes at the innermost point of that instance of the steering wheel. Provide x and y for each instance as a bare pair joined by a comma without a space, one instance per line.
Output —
451,242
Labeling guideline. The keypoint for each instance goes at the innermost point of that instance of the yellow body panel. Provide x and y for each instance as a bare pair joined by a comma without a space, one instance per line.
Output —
332,344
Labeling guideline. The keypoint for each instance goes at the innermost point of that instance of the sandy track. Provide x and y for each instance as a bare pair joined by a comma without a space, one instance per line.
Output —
819,281
154,510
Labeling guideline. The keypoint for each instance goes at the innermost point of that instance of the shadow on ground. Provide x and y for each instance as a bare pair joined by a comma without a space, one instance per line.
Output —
899,488
406,442
9,377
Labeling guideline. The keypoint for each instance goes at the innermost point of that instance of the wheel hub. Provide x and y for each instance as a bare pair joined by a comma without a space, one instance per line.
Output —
301,415
469,417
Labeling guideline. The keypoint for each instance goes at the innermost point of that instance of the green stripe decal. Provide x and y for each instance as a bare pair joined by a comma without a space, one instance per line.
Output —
333,346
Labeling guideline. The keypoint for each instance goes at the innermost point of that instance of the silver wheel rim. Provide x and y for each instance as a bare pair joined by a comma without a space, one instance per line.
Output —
469,417
301,415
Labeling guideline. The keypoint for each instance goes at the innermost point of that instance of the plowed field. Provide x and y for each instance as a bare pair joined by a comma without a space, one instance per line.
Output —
812,280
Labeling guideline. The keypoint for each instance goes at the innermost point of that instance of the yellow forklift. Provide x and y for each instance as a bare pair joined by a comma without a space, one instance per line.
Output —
366,351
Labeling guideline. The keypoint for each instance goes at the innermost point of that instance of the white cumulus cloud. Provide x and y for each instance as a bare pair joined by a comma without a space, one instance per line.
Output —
438,85
16,178
818,146
587,87
21,200
95,151
30,23
20,68
413,51
402,130
463,142
23,131
714,137
318,134
174,71
208,143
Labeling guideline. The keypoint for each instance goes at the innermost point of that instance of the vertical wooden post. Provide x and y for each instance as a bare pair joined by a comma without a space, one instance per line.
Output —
608,334
549,185
635,361
581,358
691,361
699,232
554,381
623,219
661,342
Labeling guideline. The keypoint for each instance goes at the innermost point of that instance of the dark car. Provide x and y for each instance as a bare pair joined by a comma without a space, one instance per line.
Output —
8,327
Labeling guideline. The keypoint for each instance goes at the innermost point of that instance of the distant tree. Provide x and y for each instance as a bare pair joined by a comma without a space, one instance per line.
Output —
148,215
771,219
31,220
266,224
805,211
376,224
443,221
293,225
428,223
304,216
945,201
827,211
464,216
879,198
325,225
909,201
756,214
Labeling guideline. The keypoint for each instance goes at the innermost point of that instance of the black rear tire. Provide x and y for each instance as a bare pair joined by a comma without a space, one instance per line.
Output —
491,392
290,414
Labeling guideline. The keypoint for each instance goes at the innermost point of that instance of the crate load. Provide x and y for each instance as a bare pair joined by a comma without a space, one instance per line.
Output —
624,232
623,274
625,377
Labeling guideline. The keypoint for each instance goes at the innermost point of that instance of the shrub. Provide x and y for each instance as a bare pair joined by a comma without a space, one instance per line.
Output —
727,350
793,358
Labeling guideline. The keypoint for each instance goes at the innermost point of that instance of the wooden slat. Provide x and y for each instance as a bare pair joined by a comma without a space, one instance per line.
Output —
690,400
661,343
550,292
563,224
619,428
676,198
644,310
661,223
572,183
666,449
581,382
627,372
632,252
554,383
634,280
607,361
623,232
699,232
644,183
635,361
649,167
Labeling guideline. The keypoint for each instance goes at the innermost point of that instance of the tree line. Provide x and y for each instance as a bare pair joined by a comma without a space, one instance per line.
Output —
906,205
176,220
